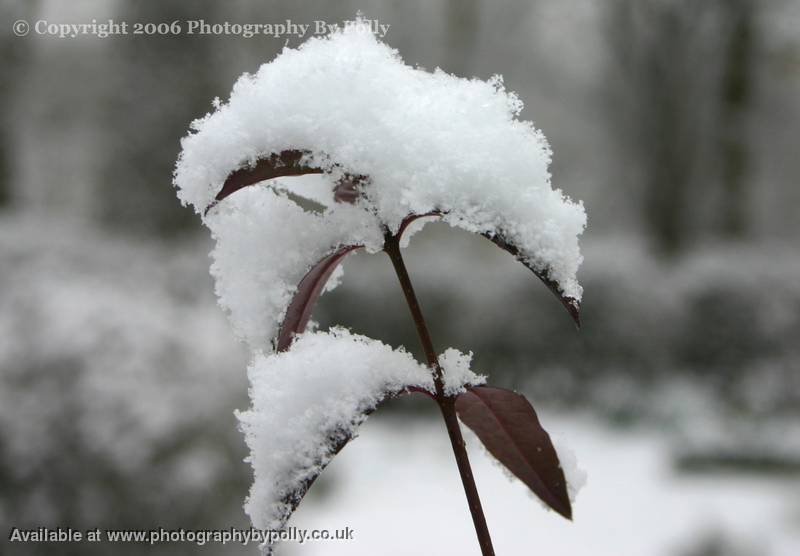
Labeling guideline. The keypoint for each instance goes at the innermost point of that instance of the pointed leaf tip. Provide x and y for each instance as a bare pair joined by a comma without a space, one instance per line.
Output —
571,304
308,291
508,426
336,441
412,217
287,163
573,307
284,164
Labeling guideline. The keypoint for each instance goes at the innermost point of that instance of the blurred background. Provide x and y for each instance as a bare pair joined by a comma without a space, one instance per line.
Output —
676,121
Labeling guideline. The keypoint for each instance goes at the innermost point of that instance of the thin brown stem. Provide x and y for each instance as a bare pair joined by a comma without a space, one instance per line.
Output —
446,403
392,248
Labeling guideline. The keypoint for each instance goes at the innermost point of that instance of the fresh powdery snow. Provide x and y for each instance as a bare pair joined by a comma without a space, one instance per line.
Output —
307,400
427,142
575,476
457,372
265,243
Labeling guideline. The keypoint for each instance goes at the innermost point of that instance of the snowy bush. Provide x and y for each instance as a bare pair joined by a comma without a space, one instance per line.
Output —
115,386
389,146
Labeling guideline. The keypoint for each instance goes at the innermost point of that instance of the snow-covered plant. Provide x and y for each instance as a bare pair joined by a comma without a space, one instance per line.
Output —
389,147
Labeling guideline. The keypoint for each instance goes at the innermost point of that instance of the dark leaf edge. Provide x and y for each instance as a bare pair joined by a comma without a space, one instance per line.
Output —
290,163
285,164
507,425
277,165
305,297
571,304
411,218
337,439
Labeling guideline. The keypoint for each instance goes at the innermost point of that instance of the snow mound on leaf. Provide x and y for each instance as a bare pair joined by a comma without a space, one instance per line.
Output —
265,244
427,140
457,373
308,401
575,476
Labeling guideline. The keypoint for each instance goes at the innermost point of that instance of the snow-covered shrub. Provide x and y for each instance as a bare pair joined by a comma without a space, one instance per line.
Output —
389,146
115,386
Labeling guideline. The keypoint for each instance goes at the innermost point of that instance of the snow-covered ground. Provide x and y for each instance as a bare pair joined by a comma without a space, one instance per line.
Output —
397,487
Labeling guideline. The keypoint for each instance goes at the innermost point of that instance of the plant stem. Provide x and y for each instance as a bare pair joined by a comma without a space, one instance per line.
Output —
392,248
446,403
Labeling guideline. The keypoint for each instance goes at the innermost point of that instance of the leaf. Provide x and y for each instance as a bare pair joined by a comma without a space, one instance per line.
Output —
283,164
572,305
411,218
310,287
507,425
288,163
308,291
346,190
337,440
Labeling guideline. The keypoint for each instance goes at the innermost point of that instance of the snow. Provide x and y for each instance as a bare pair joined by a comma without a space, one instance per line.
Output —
315,187
308,399
639,505
114,377
575,476
127,331
265,243
457,372
427,140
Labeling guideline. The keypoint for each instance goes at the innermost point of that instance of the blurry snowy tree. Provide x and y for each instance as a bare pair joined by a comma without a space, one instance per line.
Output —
739,35
110,415
13,57
683,93
142,149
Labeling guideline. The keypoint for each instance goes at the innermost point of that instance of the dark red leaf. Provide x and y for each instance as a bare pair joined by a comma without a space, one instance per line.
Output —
409,219
419,390
337,440
288,163
572,305
285,163
308,291
508,426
